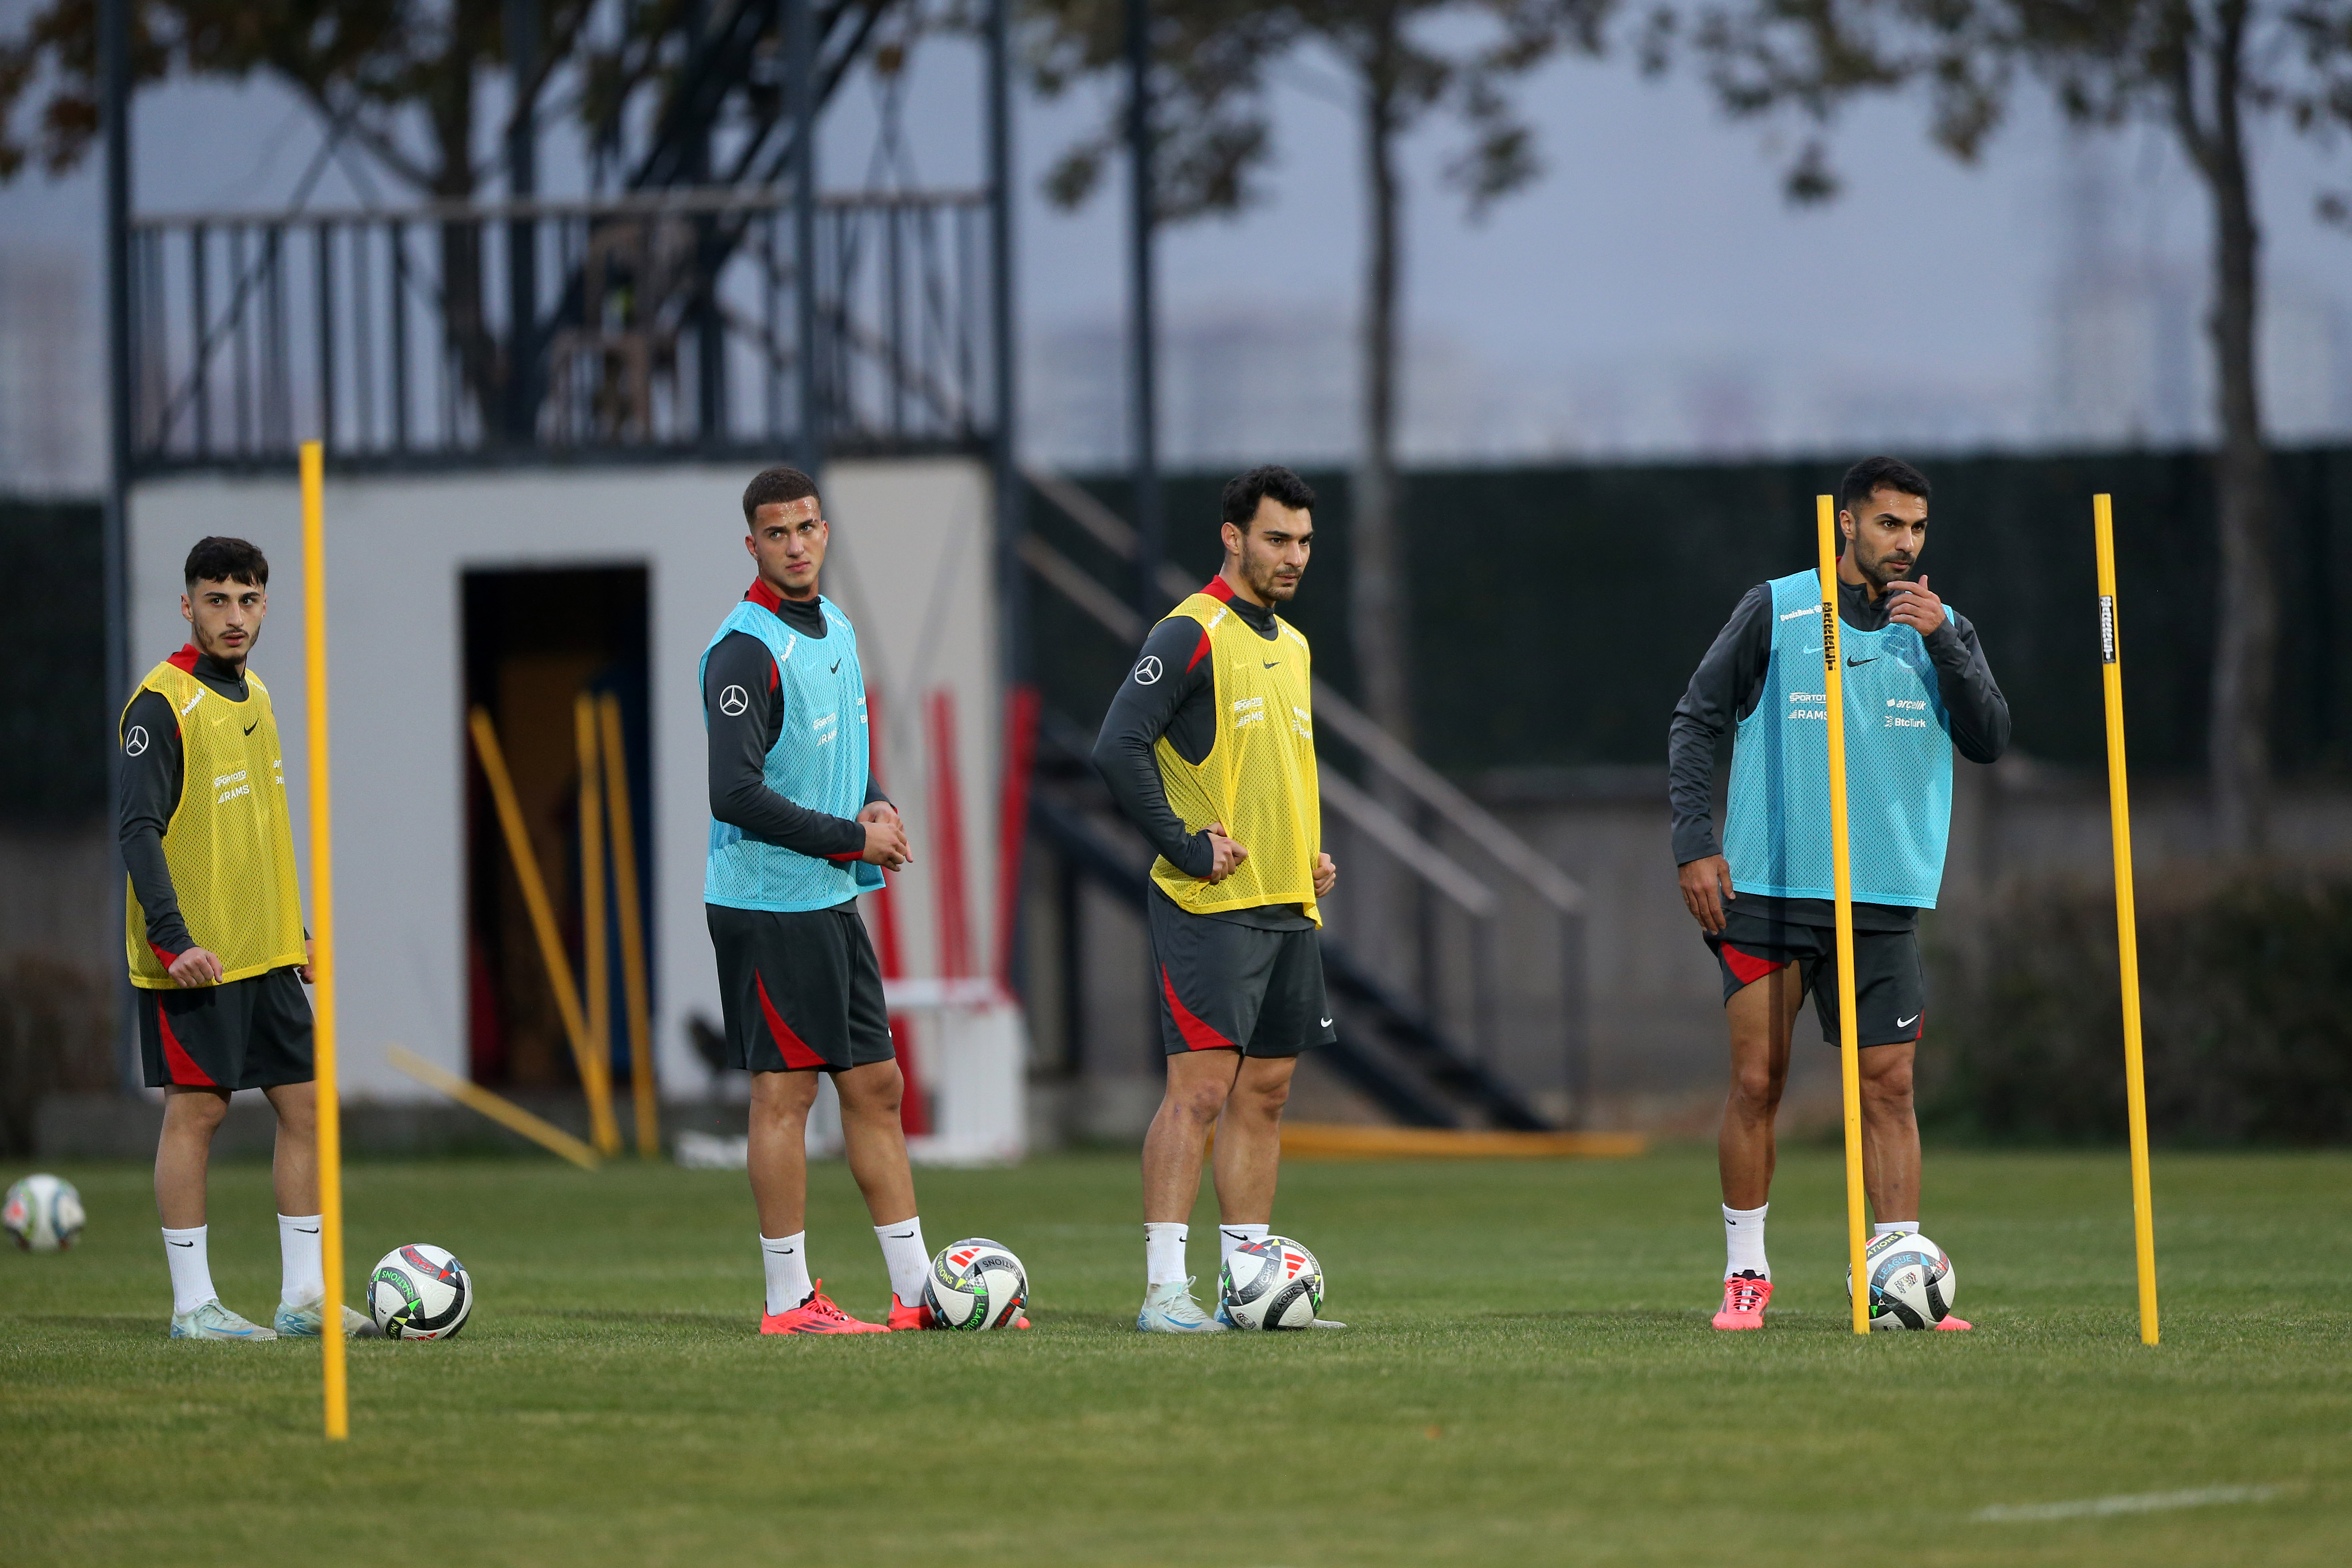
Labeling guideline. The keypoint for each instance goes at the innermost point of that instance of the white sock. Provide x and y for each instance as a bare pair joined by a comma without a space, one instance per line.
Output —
903,1255
192,1268
1896,1227
786,1259
1163,1252
1743,1242
302,1279
1230,1237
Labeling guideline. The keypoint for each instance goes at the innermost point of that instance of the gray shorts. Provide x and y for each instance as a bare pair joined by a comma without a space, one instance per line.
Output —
800,988
1227,986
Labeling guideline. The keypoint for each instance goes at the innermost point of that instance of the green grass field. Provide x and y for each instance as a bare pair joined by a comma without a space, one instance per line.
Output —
1530,1379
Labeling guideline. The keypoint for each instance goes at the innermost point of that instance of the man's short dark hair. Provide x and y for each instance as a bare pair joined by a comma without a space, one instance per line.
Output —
1243,491
771,486
219,560
1872,474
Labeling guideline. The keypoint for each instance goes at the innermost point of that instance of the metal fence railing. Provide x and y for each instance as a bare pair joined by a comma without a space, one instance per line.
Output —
666,322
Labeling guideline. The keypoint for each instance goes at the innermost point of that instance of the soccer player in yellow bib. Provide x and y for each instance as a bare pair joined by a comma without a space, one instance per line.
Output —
213,932
1209,748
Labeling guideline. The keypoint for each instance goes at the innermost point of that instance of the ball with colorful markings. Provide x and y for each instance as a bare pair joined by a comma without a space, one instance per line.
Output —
976,1283
1275,1283
420,1292
42,1212
1912,1285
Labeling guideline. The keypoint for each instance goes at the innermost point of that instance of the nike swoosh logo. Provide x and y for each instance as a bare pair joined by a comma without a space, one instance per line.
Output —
1327,1022
183,1243
1852,662
1906,1023
904,1236
249,729
836,667
1271,664
312,1231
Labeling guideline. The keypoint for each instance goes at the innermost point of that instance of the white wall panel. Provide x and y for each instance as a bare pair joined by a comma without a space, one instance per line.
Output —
910,562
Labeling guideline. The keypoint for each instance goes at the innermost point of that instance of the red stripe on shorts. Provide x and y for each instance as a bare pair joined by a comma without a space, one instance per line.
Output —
795,1050
1746,968
1198,1036
182,1067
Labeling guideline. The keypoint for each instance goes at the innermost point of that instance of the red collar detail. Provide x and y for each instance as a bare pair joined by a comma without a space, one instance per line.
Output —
762,596
1219,589
185,659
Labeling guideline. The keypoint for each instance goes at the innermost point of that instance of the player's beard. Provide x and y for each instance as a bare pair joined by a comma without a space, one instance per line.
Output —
1266,583
1882,570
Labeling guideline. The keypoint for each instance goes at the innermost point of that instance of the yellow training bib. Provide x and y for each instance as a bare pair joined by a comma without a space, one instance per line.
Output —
1258,778
230,845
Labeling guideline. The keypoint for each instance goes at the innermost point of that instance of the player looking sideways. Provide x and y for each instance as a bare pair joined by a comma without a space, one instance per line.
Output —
213,932
1916,684
797,829
1209,748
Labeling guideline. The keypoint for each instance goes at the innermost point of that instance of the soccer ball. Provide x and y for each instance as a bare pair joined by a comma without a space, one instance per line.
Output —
42,1212
1271,1284
1911,1281
976,1283
420,1292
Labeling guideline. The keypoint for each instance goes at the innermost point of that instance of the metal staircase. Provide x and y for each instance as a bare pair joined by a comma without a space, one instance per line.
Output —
1393,1048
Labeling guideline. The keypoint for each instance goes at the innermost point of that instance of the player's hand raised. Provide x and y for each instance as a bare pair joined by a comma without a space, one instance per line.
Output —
885,840
1326,876
1706,887
1915,605
1224,856
195,967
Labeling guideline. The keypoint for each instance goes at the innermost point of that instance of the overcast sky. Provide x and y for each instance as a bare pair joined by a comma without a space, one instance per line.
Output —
1651,294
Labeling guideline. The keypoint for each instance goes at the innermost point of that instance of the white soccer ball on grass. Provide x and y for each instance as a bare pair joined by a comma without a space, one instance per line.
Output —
42,1212
1912,1285
976,1283
1275,1283
420,1292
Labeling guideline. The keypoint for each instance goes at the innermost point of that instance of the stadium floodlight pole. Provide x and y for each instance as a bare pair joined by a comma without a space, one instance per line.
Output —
2103,521
322,925
1150,520
1841,863
800,90
114,539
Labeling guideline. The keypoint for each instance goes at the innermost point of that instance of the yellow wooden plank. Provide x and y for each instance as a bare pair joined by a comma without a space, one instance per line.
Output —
498,1108
1336,1140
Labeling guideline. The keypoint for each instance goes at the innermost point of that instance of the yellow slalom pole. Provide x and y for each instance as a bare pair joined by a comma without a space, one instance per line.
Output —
322,927
498,1108
597,977
593,1078
2103,518
632,930
1842,862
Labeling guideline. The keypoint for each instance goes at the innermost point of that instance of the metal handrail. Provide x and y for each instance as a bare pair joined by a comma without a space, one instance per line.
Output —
1384,826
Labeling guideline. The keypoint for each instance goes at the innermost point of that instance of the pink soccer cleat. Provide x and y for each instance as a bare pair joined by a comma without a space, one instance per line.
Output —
1960,1325
919,1315
817,1315
1744,1296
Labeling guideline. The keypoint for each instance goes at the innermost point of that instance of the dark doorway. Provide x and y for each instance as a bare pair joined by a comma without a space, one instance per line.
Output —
534,641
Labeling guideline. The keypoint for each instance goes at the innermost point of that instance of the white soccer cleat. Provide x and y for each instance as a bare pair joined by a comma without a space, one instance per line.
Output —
307,1320
211,1321
1170,1309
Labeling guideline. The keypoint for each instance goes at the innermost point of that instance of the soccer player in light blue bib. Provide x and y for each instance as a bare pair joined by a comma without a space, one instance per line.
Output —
797,831
1917,685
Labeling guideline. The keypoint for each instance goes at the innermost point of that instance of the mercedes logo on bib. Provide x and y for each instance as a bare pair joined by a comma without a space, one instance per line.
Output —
136,741
733,702
1148,671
